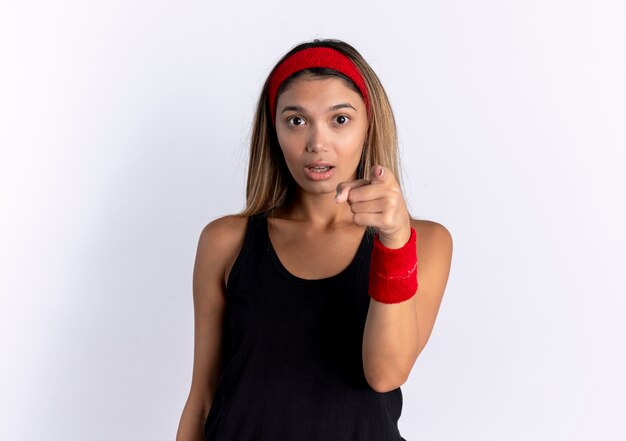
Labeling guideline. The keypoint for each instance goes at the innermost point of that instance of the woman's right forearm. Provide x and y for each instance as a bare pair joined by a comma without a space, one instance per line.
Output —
191,427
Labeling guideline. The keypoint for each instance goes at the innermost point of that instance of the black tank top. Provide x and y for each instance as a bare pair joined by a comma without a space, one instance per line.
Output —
292,354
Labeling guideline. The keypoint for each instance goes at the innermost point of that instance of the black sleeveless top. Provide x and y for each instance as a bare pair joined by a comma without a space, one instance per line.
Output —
292,354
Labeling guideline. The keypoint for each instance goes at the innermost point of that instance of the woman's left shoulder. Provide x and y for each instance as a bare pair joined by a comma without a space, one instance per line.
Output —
434,257
434,243
432,232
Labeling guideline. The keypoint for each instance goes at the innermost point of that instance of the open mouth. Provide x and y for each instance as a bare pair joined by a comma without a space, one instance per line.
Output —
320,169
319,172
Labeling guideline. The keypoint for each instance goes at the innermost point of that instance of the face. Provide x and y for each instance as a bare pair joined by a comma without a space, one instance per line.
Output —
321,126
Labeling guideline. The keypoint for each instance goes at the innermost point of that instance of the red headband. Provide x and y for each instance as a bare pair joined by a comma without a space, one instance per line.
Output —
314,57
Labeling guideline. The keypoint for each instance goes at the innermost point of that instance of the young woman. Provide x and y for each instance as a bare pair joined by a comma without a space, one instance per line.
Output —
308,311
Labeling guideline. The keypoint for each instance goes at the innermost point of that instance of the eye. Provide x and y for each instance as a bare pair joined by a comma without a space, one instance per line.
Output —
342,119
295,121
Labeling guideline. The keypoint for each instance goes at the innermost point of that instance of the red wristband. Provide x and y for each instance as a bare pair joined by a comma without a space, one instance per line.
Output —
393,272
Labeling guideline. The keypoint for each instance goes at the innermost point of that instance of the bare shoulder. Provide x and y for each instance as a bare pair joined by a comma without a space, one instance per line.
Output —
432,234
224,230
434,254
220,242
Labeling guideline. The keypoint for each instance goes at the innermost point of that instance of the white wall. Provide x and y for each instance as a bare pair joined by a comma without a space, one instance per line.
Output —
123,131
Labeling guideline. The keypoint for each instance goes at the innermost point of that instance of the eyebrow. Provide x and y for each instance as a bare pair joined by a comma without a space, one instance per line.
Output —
342,106
330,109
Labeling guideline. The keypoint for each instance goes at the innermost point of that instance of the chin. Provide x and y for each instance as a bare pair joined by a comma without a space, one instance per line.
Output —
317,187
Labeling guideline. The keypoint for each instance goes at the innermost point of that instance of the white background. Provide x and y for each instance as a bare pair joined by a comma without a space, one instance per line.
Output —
124,129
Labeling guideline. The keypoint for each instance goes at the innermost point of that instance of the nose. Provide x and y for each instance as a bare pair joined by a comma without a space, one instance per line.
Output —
317,140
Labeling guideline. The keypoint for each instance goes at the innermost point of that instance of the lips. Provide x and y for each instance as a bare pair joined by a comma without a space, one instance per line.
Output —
319,166
319,171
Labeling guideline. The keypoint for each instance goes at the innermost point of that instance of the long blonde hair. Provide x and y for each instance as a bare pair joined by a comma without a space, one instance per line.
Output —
270,184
